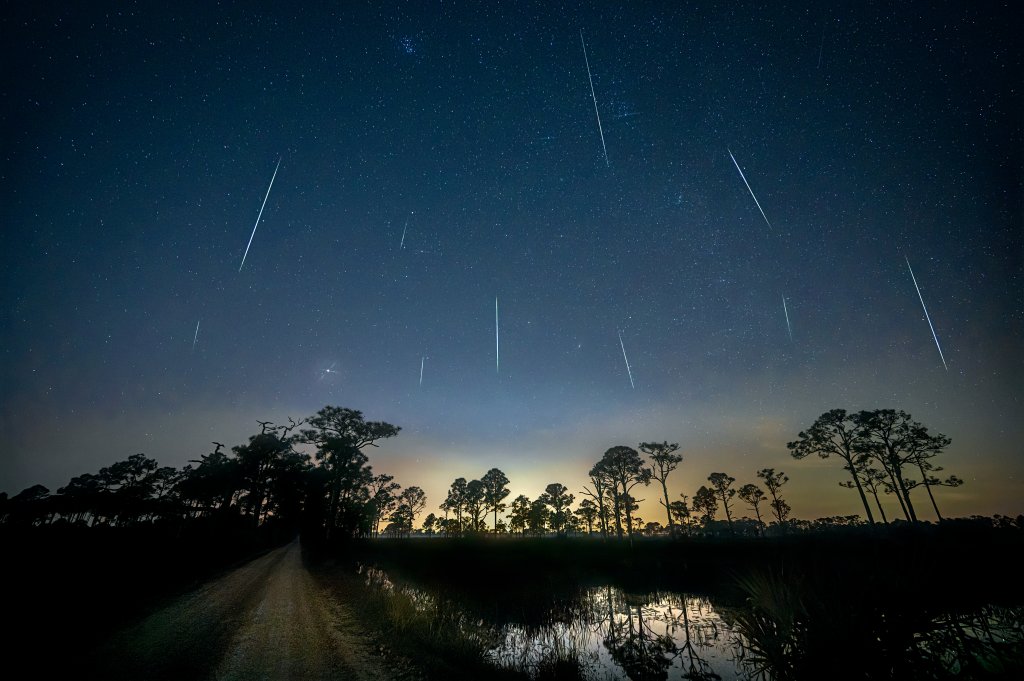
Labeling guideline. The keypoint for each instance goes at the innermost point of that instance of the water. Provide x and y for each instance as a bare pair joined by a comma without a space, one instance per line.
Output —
777,632
616,635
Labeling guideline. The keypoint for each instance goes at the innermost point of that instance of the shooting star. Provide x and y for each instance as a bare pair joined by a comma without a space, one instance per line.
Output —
497,357
328,370
749,189
926,315
196,337
404,230
628,369
265,197
594,97
786,311
422,360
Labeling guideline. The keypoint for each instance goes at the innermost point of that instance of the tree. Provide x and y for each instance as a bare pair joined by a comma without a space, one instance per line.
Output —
602,485
753,495
383,500
456,500
257,465
429,523
626,470
475,505
873,481
495,490
664,460
774,481
705,502
681,512
556,495
537,519
722,486
519,515
835,433
587,513
410,503
339,435
893,439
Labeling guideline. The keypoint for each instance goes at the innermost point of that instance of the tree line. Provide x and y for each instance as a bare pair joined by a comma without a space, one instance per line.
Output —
315,474
270,479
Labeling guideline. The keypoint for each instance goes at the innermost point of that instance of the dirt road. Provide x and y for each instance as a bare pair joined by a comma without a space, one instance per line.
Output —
268,619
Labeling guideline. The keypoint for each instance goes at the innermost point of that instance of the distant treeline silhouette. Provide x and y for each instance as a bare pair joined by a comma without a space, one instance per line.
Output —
333,492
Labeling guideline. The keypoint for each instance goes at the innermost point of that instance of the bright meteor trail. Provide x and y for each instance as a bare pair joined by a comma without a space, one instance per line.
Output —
594,97
260,215
422,360
196,337
628,369
749,189
926,315
786,311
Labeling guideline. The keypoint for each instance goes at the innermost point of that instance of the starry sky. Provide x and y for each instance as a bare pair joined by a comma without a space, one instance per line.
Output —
437,156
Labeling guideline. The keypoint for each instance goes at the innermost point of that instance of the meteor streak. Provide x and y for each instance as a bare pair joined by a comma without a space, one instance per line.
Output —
749,189
422,360
260,215
628,369
497,357
786,311
404,229
196,337
594,97
926,315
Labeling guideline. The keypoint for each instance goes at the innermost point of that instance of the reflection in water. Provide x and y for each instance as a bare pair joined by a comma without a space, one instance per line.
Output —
624,636
606,633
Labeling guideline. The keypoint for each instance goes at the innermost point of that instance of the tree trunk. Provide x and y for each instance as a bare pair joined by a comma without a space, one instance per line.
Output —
668,511
928,488
860,490
880,509
906,494
760,523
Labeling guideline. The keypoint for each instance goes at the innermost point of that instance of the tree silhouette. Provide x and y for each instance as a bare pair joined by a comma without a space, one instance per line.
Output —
429,523
383,498
664,460
705,502
753,495
519,515
476,505
681,513
495,490
835,433
587,513
456,500
873,481
556,495
722,486
626,470
602,484
774,482
339,435
537,520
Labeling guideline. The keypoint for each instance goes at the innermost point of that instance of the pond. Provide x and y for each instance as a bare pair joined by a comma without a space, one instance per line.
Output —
776,632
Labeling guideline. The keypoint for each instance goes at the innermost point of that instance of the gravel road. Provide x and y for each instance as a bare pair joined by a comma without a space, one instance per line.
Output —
268,619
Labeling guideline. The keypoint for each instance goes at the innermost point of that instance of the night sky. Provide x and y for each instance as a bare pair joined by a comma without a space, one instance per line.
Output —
139,141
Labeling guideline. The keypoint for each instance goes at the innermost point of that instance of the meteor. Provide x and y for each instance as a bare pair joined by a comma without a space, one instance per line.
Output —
628,369
926,315
594,97
422,360
749,189
786,311
497,357
196,337
260,215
